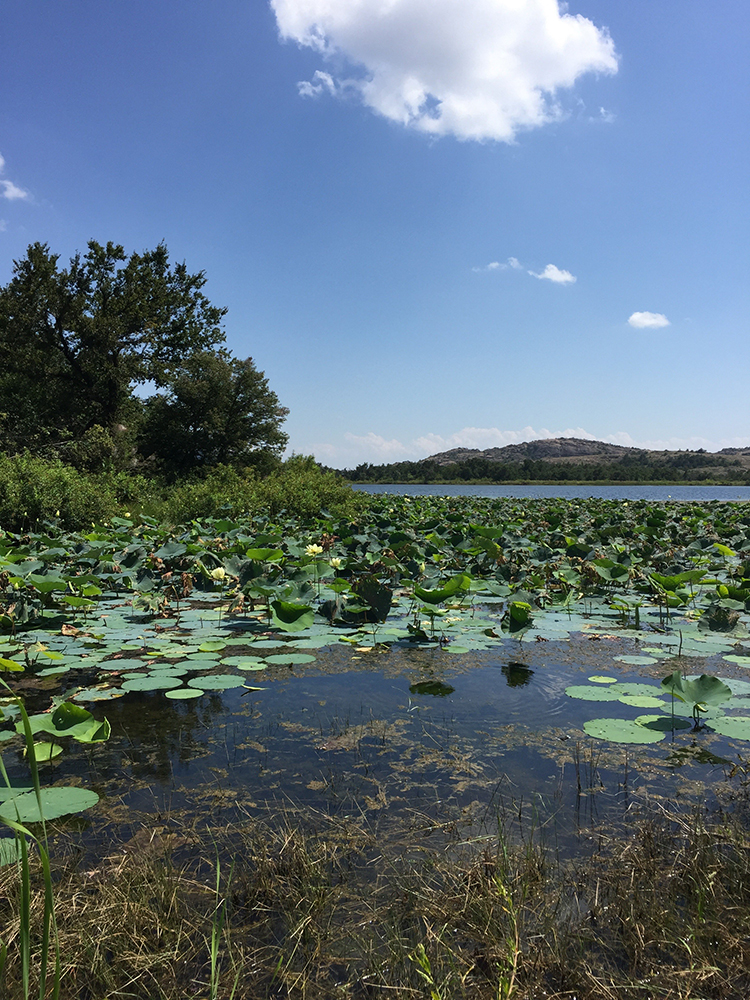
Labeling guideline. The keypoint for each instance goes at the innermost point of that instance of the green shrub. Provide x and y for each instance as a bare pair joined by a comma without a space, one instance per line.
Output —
34,489
299,488
303,490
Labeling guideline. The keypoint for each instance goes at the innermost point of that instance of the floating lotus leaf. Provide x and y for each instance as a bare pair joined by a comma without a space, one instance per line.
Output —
640,661
184,694
454,647
173,669
46,751
601,679
634,688
249,666
290,658
216,682
591,692
56,802
741,661
737,687
236,661
641,701
98,694
151,683
212,646
53,671
125,663
621,731
736,727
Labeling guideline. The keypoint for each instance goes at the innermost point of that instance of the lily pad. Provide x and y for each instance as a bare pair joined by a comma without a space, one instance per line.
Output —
184,694
216,682
152,682
212,646
98,694
734,726
56,802
590,692
639,661
642,701
46,751
601,679
621,731
286,658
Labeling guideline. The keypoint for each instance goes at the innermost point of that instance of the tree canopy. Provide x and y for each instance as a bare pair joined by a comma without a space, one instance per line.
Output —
79,344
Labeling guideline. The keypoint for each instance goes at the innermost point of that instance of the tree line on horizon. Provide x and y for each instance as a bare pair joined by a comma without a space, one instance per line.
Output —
688,466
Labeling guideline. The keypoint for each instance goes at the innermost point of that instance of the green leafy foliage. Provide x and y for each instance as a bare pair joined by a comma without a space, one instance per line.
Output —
76,342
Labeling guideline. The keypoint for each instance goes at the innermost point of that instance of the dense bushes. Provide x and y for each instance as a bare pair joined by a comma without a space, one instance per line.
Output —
33,489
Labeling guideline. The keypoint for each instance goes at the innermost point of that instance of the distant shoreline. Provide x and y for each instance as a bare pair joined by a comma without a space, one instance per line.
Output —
546,482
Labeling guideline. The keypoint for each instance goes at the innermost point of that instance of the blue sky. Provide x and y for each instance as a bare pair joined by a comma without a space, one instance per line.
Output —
434,222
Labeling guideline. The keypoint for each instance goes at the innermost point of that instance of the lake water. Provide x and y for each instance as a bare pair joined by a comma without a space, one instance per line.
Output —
548,492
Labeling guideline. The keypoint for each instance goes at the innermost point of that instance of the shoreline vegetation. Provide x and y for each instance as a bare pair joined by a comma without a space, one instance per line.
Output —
206,899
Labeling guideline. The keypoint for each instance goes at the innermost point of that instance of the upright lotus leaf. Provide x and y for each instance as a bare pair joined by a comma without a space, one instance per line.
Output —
171,550
375,595
291,617
71,720
10,665
462,581
700,693
519,616
265,555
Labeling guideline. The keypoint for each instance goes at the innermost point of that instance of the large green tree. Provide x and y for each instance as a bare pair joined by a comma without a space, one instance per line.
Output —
217,410
79,343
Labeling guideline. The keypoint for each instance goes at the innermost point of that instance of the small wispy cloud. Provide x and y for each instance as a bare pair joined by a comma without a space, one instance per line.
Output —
511,264
648,320
556,274
3,225
8,189
320,83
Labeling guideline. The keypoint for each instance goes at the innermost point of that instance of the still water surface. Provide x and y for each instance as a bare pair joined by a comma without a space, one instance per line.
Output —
547,492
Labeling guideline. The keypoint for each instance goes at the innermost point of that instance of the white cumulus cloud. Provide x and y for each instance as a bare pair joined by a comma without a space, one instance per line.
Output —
648,320
556,274
478,70
8,189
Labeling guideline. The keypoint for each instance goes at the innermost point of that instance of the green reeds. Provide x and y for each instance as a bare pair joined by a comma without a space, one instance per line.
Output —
23,836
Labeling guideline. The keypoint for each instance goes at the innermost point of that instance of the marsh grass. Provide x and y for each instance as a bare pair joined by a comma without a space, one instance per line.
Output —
25,926
310,906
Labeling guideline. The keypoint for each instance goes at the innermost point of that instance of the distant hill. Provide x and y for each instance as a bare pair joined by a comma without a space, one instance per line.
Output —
578,451
560,460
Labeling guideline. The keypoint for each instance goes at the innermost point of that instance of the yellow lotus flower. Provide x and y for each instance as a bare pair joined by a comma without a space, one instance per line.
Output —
336,562
314,550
